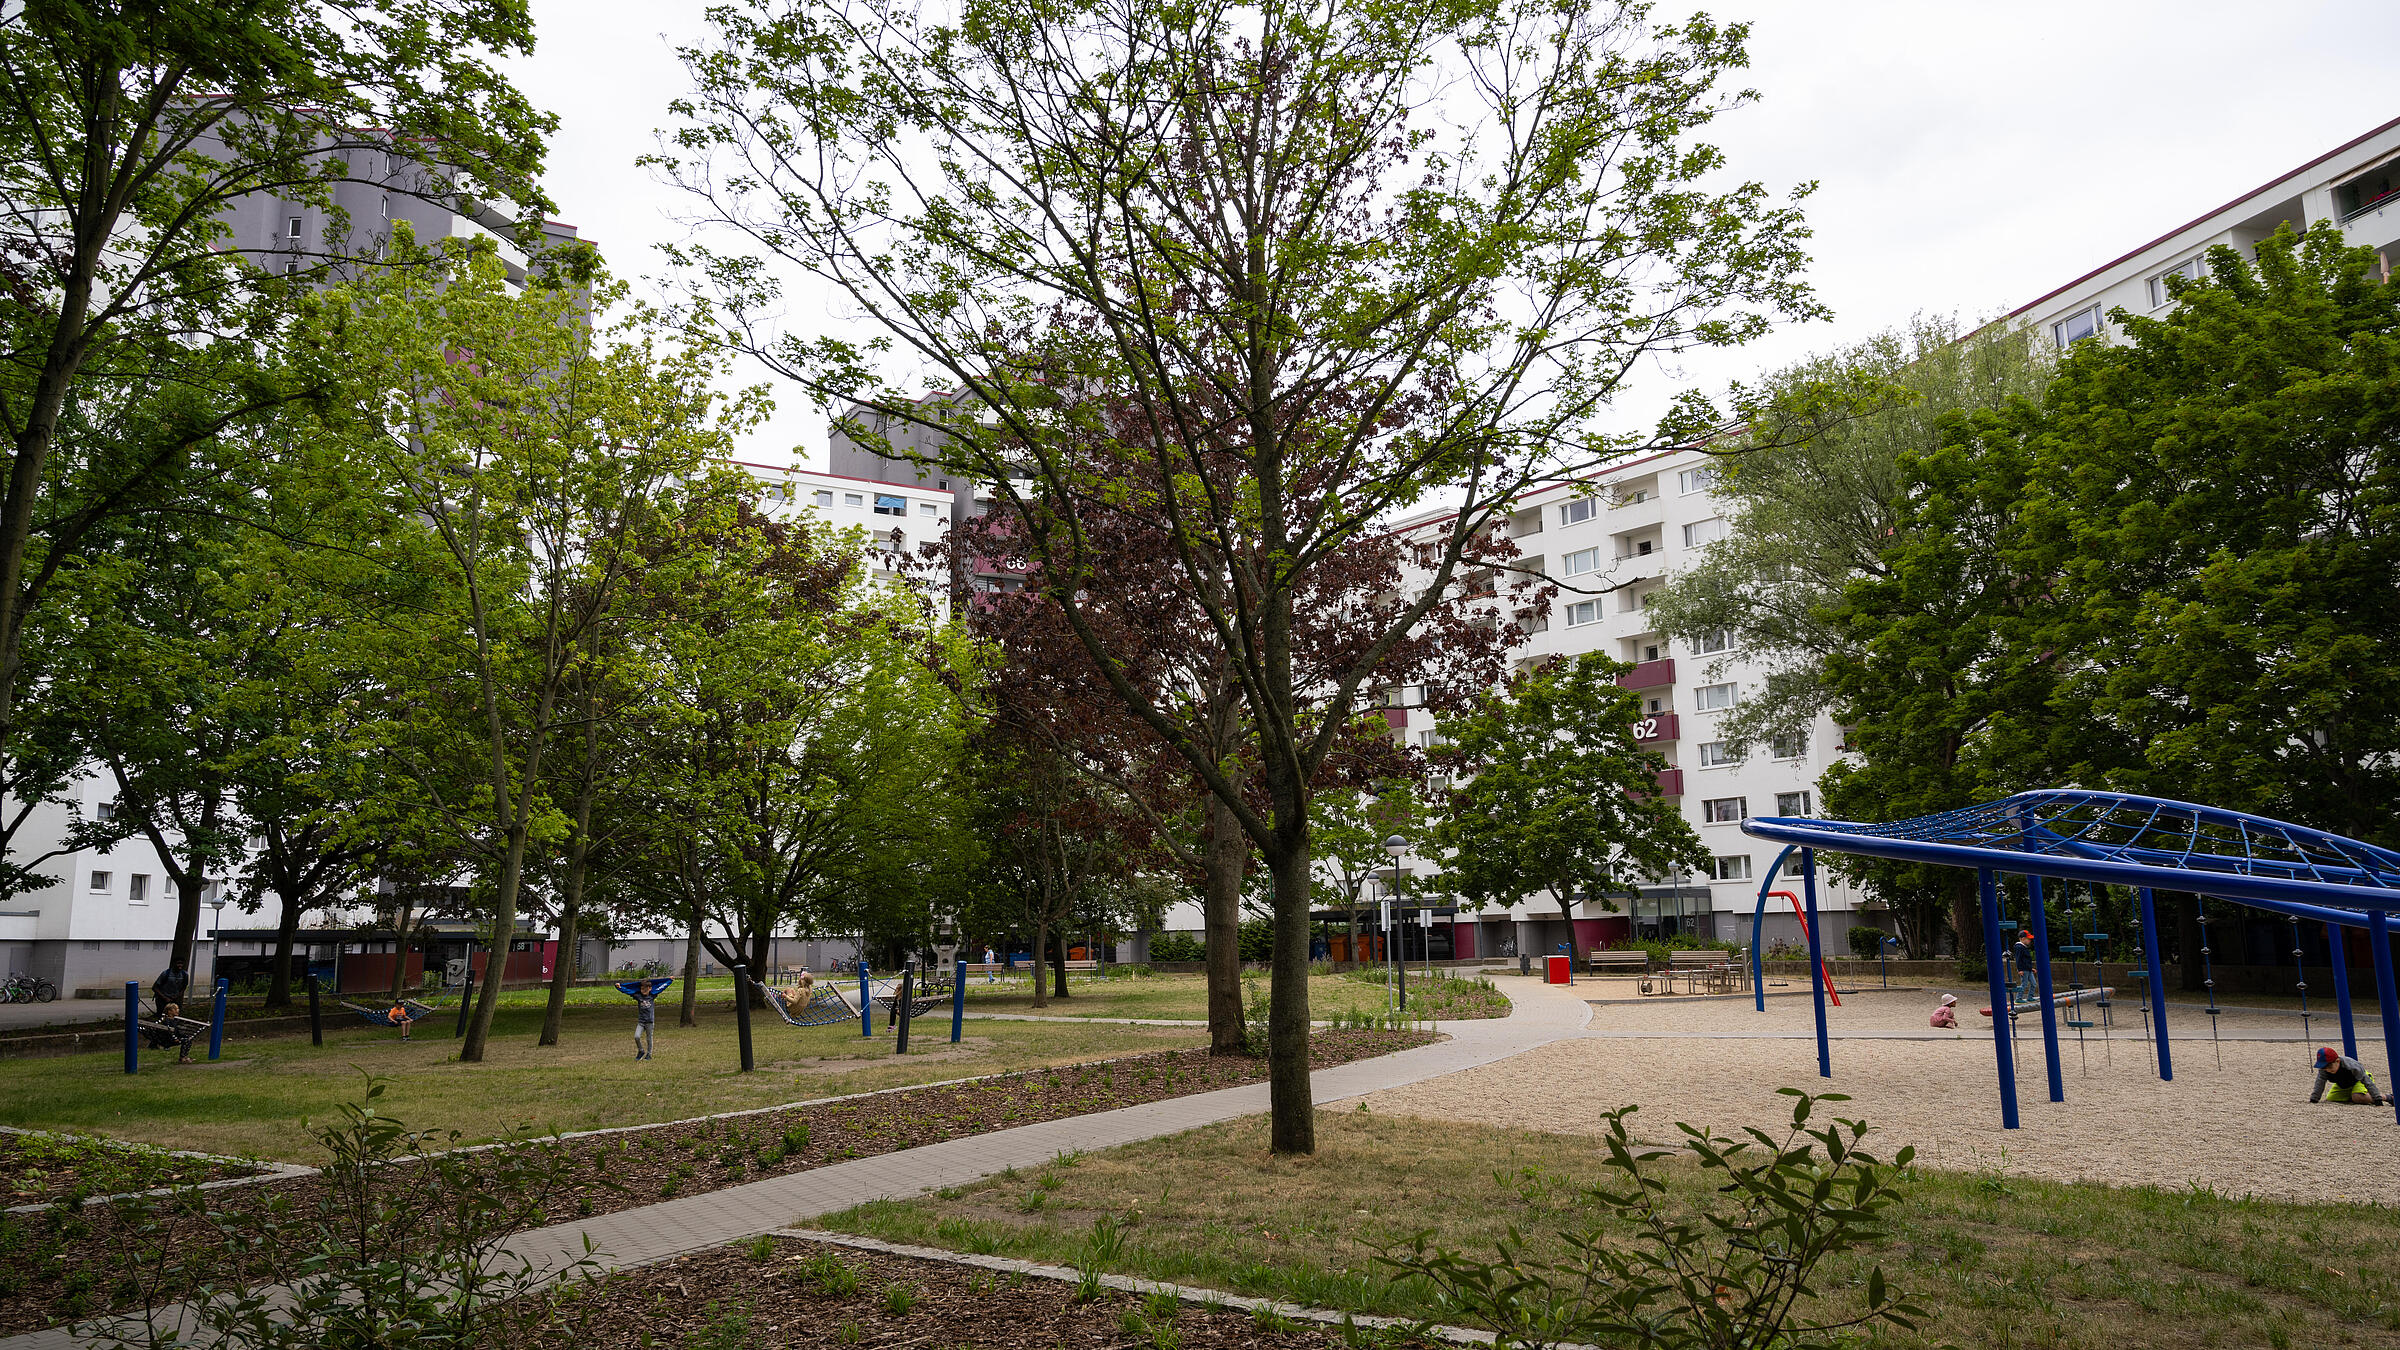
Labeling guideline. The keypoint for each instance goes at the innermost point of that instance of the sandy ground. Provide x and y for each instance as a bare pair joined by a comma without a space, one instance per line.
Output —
2245,1128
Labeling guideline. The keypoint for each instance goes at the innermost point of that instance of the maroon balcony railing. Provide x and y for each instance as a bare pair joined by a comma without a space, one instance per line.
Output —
1657,727
1670,782
1649,674
1395,718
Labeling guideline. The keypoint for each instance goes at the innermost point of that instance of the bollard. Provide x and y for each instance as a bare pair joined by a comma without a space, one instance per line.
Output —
216,1020
741,1013
900,1008
1403,987
316,1015
466,995
133,1026
866,1003
958,1001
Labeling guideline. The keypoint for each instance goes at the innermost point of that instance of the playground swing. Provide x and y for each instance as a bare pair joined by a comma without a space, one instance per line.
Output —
2088,941
2300,974
162,1031
2208,980
826,1007
409,1011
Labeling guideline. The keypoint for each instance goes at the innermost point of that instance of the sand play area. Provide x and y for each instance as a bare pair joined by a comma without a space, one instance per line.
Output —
2245,1128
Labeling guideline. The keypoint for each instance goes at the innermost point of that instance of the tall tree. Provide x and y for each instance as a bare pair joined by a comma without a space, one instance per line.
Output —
1561,798
1260,254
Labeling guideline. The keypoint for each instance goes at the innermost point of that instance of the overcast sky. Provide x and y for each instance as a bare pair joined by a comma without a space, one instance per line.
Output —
1969,157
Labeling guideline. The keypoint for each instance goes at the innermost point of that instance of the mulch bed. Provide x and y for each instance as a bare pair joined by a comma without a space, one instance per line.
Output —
805,1294
45,1169
55,1266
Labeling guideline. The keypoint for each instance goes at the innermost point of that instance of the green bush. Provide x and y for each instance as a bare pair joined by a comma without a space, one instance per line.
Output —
1257,941
1177,947
1866,943
1681,942
1971,968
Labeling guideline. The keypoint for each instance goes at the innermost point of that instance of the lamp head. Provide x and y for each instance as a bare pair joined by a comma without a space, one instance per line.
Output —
1396,846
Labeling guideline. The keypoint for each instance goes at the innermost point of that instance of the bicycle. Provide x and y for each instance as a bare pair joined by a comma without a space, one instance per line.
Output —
23,988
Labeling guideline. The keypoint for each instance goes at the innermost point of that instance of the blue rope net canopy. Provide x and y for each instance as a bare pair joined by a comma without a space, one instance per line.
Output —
2121,839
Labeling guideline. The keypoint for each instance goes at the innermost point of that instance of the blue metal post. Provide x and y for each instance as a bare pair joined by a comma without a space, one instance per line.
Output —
866,1003
1758,919
216,1020
958,1001
2042,989
133,1026
2379,932
2341,988
2000,998
1816,960
2157,981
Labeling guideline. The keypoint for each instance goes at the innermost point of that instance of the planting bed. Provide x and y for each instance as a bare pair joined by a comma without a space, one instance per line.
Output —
799,1294
55,1266
41,1169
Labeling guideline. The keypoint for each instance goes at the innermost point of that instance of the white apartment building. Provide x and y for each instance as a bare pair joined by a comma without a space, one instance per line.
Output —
896,517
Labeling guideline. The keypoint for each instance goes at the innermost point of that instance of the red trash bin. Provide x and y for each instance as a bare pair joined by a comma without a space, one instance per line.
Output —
1561,970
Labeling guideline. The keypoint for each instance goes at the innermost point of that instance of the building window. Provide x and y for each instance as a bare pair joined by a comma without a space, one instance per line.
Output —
1579,562
1716,754
1789,745
853,499
100,882
1706,531
1713,641
1576,512
2188,269
133,946
1631,496
1792,804
2369,190
137,888
927,509
1431,740
825,499
1733,868
292,231
1697,480
1716,697
886,505
1583,612
1725,810
2083,323
105,812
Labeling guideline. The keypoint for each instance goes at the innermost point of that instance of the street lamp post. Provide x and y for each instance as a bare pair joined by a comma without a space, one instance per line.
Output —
1397,846
216,937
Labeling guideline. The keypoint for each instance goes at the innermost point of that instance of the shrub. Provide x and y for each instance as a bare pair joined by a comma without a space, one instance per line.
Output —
1971,969
1720,1271
1177,947
1866,943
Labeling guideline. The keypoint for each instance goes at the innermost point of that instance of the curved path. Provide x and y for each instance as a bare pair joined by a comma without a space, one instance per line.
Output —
1538,1015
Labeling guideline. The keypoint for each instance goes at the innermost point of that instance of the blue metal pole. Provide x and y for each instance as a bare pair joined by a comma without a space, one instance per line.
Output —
2157,981
2379,931
958,1001
1816,960
2000,998
1758,919
2043,990
866,1004
2341,989
133,1026
216,1020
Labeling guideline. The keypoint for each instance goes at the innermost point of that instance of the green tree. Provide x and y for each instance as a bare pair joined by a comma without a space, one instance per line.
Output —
1352,825
1284,280
1561,799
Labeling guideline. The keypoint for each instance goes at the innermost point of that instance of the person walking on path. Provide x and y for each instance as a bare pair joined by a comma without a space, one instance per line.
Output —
991,961
2348,1080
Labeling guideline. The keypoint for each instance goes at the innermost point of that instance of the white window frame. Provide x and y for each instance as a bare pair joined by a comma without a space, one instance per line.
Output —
1709,816
854,499
137,888
2188,269
1732,696
1798,741
1576,512
1699,478
824,499
292,230
1715,755
1698,533
1729,867
2058,330
1579,562
928,509
1807,808
1721,637
100,881
1590,610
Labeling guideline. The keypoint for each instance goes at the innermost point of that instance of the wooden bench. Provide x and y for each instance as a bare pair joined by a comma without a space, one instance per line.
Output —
1073,967
1714,967
1632,961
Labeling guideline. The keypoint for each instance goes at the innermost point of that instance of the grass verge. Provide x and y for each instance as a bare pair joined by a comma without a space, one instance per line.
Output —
1185,997
1997,1263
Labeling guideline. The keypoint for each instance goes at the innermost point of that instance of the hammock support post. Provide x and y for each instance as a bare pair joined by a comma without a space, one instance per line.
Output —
958,1001
133,1026
741,1014
866,1000
316,1015
2341,989
901,1006
216,1019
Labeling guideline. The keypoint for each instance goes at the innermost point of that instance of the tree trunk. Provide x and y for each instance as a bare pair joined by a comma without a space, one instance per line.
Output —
2191,971
401,937
1566,911
1966,916
570,909
287,929
1058,967
503,929
1227,857
691,975
1354,961
1041,955
1292,1108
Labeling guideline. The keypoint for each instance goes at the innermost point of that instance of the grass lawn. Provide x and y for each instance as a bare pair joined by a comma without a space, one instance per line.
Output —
2014,1264
1186,996
255,1102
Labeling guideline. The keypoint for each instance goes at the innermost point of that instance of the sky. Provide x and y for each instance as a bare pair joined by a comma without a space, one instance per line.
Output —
1969,157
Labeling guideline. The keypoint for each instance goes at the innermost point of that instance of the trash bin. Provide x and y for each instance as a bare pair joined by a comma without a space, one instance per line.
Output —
1525,963
1562,971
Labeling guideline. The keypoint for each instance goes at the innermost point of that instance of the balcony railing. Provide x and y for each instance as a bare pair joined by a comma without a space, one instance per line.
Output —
1395,718
1657,727
1649,674
1670,782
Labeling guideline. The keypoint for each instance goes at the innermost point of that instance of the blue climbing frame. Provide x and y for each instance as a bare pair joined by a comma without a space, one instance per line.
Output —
2110,838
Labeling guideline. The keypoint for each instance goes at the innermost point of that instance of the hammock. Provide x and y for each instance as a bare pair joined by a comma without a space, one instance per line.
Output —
409,1009
180,1032
825,1007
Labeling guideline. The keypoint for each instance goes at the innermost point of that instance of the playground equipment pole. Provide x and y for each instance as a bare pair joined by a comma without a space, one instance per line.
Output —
316,1015
1816,959
216,1020
2341,989
2379,931
133,1026
2157,980
866,1003
958,1001
1758,920
901,1008
2042,988
2000,998
741,1014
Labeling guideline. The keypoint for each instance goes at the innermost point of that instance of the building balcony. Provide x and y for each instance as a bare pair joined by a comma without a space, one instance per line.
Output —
1395,718
1670,782
1649,674
1657,727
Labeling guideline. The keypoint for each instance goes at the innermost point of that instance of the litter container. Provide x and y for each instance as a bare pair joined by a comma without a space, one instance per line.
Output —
1525,963
1562,971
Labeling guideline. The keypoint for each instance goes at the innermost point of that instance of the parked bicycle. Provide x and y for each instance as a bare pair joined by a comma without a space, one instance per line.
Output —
23,988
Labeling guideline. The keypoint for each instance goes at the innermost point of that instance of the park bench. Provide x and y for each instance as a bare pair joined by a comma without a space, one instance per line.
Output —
1713,968
1073,967
1633,961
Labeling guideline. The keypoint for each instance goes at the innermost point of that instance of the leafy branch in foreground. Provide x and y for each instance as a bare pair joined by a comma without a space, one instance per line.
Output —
1647,1269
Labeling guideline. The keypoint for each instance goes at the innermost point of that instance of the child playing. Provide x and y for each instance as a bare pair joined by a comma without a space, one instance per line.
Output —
644,994
2349,1079
400,1018
1943,1016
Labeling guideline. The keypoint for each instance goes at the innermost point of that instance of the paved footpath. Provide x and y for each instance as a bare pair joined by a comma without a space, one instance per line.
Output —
1539,1015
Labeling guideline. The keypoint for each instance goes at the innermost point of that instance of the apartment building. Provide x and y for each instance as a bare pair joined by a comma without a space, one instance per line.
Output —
898,517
